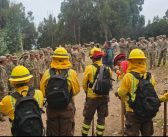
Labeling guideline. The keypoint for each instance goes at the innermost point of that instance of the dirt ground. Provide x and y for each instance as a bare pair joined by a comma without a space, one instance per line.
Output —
113,122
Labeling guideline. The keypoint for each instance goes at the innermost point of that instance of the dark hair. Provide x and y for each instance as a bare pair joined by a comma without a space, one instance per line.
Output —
21,85
108,43
96,59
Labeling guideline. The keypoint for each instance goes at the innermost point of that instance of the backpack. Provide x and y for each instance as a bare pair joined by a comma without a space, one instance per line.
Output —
27,120
102,81
147,103
57,93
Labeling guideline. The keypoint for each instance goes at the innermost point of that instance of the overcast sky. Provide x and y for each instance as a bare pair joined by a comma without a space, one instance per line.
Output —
42,8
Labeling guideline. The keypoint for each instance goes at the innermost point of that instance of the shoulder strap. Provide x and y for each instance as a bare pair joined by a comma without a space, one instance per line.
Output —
52,71
148,76
16,95
136,75
64,73
31,92
95,77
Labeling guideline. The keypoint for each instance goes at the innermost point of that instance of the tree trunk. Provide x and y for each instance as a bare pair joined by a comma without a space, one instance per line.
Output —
79,34
105,32
75,33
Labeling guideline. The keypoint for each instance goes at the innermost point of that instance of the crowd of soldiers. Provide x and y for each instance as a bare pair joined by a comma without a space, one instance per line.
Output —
154,48
37,61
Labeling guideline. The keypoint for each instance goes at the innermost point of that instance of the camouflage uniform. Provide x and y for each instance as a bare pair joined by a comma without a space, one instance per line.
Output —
38,69
9,65
115,46
83,54
132,45
163,52
47,58
24,60
123,46
42,64
33,68
143,46
152,52
75,60
3,82
80,61
14,62
158,43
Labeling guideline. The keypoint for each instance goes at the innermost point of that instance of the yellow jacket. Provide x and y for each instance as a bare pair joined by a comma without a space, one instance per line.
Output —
129,82
7,105
164,98
73,83
89,74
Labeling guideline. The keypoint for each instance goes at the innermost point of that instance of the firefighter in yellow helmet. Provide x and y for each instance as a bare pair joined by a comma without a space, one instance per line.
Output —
127,91
20,79
59,85
94,102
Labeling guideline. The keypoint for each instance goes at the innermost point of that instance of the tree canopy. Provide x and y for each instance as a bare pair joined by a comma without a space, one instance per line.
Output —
79,21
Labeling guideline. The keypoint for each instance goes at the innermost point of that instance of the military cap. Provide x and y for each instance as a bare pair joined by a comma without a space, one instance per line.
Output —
92,43
8,55
25,54
114,39
41,52
128,38
140,38
14,58
163,36
122,39
32,52
87,44
36,52
2,58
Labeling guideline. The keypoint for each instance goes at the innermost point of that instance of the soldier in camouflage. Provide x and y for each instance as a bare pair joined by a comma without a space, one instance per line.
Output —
123,46
9,64
115,47
75,55
143,46
152,52
3,81
33,68
42,62
47,57
163,51
80,60
24,60
14,61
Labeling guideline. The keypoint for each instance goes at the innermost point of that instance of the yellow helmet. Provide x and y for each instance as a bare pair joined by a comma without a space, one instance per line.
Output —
137,54
61,53
95,52
20,74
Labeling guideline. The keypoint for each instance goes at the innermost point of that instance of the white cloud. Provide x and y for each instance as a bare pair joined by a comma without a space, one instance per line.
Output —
153,8
42,8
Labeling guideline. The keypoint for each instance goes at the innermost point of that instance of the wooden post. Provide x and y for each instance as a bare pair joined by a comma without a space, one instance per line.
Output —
93,127
165,118
122,117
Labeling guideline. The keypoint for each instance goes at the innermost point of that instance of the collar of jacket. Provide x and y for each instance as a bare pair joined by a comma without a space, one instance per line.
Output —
99,63
21,89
